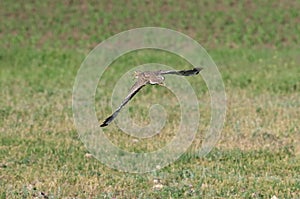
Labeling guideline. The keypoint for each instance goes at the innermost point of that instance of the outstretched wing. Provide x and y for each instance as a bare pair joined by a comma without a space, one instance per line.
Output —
134,90
194,71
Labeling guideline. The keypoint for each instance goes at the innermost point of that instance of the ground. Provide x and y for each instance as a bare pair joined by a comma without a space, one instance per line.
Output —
255,44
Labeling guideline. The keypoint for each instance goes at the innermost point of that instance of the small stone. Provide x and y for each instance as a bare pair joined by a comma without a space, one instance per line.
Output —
135,140
88,155
158,186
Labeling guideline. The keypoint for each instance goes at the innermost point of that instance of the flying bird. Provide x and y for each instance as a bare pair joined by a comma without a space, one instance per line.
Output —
148,77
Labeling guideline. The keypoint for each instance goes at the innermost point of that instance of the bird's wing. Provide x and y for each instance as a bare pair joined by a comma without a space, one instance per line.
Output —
134,90
194,71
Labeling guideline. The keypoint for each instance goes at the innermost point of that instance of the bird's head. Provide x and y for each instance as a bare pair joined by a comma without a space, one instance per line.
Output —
137,74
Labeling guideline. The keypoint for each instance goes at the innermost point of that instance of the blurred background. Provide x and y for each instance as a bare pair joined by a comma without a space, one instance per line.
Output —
255,44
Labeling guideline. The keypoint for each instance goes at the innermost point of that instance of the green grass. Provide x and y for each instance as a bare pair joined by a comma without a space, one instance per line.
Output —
256,47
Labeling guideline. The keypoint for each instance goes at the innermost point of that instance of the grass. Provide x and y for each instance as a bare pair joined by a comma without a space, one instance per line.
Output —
256,47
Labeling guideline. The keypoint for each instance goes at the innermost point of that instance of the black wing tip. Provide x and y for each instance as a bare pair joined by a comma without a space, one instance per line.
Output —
103,125
108,120
194,71
198,69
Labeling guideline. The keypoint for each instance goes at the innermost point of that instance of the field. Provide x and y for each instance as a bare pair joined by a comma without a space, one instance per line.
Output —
255,45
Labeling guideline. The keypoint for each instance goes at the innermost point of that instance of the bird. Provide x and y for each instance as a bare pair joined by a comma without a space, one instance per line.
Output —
148,77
